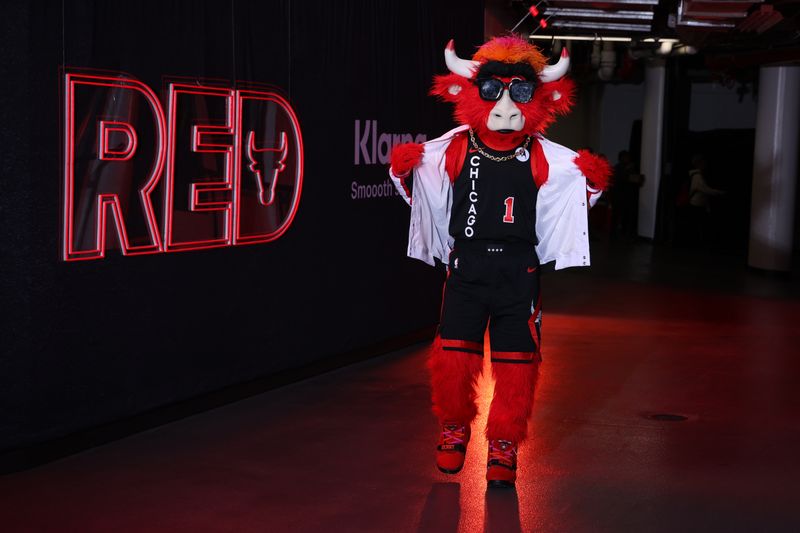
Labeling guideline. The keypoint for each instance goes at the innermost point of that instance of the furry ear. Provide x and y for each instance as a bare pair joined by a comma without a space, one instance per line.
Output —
448,87
560,95
549,100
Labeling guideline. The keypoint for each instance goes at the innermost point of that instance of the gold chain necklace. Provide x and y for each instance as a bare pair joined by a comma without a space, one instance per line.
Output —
495,157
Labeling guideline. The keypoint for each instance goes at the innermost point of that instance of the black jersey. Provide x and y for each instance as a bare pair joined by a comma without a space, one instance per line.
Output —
494,200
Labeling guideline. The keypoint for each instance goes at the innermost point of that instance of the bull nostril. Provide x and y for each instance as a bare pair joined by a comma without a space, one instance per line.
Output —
515,115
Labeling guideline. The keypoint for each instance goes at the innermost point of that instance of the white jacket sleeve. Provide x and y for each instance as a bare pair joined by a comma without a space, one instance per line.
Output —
562,223
402,185
431,201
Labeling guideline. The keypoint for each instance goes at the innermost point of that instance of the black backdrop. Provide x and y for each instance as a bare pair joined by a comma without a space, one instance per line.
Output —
90,342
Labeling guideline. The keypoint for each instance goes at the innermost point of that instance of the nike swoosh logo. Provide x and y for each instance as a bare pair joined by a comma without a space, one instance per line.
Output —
472,150
533,269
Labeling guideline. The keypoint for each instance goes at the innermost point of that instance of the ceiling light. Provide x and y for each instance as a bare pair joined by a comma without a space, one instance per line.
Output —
579,38
593,25
613,38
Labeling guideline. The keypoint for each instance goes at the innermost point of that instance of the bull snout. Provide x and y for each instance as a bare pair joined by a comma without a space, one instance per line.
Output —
505,115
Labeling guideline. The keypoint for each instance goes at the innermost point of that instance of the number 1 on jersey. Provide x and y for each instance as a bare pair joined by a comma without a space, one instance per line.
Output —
509,216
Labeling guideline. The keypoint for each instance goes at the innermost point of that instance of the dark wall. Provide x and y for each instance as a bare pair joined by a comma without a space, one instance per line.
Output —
88,342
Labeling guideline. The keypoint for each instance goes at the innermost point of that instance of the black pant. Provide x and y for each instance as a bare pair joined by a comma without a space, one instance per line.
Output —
493,283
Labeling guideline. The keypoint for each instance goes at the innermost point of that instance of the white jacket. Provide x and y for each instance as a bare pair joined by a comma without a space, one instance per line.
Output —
561,211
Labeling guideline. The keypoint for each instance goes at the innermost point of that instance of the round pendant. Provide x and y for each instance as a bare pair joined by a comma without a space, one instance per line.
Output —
522,154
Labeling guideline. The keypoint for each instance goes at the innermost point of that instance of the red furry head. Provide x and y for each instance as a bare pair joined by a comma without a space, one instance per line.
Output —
505,58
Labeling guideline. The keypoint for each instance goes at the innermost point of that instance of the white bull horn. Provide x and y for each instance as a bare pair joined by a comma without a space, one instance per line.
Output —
456,65
557,71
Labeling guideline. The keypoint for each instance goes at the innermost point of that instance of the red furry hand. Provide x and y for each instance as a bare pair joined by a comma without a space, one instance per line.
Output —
405,157
595,168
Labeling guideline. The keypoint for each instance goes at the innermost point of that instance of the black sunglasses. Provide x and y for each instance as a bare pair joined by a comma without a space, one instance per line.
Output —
520,91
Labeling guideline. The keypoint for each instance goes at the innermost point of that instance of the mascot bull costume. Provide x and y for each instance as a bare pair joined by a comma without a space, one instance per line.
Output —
493,199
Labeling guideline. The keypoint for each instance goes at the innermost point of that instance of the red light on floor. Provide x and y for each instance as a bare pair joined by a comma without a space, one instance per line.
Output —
533,11
543,23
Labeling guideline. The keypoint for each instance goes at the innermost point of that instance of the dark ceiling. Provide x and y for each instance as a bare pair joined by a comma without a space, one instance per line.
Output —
741,33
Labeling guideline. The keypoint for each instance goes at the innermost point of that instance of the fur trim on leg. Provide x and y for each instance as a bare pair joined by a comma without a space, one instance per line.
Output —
512,404
453,378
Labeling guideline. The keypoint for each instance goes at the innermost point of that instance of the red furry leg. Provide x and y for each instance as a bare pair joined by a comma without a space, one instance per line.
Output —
453,378
513,401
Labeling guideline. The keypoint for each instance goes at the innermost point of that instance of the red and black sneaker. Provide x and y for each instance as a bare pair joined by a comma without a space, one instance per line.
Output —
501,468
452,447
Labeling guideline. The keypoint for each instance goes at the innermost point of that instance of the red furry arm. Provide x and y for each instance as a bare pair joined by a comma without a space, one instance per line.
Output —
405,157
595,168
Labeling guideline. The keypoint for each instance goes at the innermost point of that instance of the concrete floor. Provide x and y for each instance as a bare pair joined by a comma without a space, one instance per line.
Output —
644,331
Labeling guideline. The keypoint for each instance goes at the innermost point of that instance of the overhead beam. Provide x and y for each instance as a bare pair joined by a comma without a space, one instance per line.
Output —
595,3
568,12
611,26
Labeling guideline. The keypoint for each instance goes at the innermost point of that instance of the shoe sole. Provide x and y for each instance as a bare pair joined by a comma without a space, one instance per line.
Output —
446,471
500,484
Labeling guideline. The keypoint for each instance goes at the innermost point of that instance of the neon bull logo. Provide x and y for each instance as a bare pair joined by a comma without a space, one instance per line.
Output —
213,167
266,193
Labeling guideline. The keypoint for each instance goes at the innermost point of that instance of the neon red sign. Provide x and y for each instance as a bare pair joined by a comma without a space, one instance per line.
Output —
216,166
